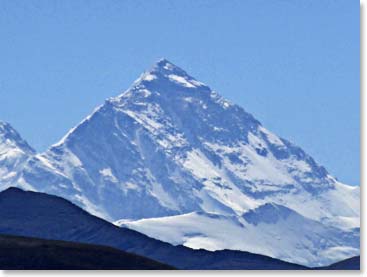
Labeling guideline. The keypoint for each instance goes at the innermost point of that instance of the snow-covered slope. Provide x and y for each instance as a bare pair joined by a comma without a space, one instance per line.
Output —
170,145
270,229
14,151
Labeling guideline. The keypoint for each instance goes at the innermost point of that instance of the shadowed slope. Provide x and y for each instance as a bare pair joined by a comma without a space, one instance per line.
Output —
348,264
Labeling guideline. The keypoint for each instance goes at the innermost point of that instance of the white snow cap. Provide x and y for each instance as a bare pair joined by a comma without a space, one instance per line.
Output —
163,69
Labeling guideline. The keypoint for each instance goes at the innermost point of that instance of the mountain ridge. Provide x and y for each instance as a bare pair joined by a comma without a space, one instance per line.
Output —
270,229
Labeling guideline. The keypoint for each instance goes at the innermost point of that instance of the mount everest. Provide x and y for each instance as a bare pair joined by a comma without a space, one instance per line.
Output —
172,159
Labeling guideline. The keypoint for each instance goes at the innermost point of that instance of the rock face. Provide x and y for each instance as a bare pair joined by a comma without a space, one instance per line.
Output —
170,145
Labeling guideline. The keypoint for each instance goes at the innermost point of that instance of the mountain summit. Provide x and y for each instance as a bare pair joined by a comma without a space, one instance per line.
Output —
11,139
14,151
170,146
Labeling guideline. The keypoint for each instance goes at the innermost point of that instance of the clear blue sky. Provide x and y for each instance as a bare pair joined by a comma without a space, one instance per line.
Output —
293,64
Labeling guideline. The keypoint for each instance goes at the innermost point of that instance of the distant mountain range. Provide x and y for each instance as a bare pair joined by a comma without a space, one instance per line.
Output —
172,152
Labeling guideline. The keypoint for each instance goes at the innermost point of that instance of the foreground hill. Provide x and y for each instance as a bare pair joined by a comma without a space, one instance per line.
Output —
17,253
32,253
347,264
45,216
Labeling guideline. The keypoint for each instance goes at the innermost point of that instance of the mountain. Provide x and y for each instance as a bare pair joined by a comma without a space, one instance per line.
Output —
39,215
19,253
171,146
270,229
14,151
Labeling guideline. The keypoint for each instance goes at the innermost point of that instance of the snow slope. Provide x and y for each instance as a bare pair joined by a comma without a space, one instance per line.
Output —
170,145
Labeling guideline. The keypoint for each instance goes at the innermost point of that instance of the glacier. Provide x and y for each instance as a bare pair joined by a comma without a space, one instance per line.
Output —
170,148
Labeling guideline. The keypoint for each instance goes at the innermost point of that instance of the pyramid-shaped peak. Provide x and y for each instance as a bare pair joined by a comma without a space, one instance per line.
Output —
165,67
165,64
164,72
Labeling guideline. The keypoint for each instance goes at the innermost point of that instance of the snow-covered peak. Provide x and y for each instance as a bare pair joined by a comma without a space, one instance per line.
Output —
213,151
14,151
165,65
170,146
10,139
166,74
